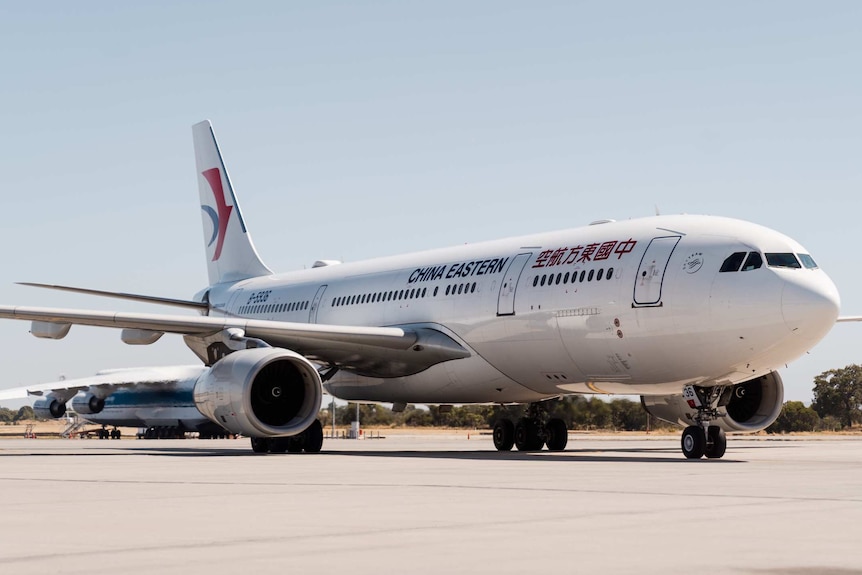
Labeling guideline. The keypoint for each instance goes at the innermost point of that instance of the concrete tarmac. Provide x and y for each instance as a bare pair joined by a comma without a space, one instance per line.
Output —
431,504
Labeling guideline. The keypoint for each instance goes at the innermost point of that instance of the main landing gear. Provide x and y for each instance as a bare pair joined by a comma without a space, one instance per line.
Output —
704,439
310,441
531,432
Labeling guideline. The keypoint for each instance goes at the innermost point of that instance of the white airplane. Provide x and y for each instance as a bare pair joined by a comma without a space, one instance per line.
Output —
692,313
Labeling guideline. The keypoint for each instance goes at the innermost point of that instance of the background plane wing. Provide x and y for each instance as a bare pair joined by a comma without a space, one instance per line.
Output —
849,318
372,351
114,379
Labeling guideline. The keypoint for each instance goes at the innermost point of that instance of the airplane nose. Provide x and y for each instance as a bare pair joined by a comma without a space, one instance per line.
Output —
810,304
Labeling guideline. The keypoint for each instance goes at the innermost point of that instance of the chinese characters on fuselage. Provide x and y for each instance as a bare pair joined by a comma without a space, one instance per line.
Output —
581,254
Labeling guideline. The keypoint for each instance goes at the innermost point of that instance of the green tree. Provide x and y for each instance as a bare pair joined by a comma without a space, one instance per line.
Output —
795,417
25,412
628,415
838,393
6,415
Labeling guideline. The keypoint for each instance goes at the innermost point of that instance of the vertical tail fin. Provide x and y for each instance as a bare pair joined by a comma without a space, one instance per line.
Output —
230,252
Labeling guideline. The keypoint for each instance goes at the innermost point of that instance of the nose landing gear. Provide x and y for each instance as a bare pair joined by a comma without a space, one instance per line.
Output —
705,439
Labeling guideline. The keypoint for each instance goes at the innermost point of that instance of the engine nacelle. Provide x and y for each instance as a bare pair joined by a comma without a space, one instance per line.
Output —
262,392
49,407
749,406
87,404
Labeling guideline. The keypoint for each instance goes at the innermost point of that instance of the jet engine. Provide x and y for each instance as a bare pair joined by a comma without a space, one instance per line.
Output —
87,404
748,406
261,392
49,407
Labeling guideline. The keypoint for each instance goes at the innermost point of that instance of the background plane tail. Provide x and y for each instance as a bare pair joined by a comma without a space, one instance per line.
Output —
230,252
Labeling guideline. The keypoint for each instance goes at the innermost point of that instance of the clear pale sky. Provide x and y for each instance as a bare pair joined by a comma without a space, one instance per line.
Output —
354,130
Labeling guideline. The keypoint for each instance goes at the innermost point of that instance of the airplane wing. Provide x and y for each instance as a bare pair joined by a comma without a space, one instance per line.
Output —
847,318
113,379
372,351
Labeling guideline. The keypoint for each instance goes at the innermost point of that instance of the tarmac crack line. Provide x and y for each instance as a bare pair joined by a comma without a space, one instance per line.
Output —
485,488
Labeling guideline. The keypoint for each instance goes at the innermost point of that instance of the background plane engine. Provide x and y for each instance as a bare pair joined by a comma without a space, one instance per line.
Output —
87,404
49,407
263,392
749,406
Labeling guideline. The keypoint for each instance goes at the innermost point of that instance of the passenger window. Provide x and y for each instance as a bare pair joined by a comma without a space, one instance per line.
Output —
535,281
435,290
590,277
782,261
566,278
601,273
753,262
808,261
732,263
610,273
543,280
447,290
473,289
583,274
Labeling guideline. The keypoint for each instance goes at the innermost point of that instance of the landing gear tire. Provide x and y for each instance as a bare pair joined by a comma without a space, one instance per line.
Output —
294,444
260,444
504,435
313,437
557,435
278,444
527,435
716,442
693,442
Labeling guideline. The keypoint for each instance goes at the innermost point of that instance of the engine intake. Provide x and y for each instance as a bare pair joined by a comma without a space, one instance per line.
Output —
263,392
749,406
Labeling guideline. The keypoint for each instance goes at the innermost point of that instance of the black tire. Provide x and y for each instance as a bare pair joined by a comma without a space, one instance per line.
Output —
313,437
558,435
527,435
504,435
260,444
278,444
716,442
693,442
294,444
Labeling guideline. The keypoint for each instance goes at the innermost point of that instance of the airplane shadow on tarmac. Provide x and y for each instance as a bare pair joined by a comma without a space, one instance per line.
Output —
619,454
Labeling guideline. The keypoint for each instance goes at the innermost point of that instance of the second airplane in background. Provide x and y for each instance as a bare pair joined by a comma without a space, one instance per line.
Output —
693,313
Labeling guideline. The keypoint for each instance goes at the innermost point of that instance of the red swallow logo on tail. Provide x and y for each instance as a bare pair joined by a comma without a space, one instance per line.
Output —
220,217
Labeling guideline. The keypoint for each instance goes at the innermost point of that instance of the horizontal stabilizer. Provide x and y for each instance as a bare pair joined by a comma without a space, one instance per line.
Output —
128,296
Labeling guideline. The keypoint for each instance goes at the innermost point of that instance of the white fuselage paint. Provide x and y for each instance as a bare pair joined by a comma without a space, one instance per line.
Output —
666,318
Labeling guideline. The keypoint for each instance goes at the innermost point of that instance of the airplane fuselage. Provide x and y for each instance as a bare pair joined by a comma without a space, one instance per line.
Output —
633,307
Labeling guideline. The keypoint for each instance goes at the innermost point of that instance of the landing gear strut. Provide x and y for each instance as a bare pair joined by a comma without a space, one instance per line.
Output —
531,432
704,439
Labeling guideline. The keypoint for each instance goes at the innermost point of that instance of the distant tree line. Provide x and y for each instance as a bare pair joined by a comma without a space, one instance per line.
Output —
9,416
837,404
579,413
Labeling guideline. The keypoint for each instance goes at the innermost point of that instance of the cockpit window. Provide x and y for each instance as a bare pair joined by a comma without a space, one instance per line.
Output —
808,261
782,261
732,263
753,262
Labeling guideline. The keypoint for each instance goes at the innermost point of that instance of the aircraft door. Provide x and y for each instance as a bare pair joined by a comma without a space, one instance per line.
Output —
650,276
233,304
315,304
506,299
